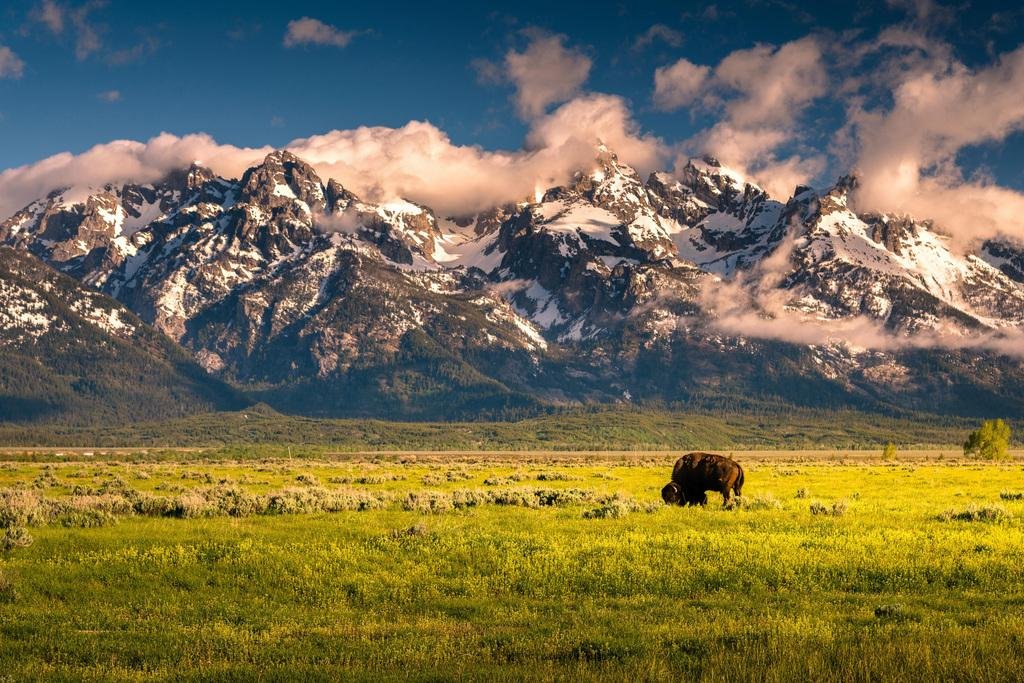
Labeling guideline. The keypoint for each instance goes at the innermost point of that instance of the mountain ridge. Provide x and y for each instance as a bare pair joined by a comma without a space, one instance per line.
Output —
609,289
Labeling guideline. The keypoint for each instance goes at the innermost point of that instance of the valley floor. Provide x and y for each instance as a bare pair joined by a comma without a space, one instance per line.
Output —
505,566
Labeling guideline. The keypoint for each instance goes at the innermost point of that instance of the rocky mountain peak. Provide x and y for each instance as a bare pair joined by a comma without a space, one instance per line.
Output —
714,184
188,179
281,178
338,198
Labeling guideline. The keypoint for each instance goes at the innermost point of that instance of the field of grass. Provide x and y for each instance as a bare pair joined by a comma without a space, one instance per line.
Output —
515,566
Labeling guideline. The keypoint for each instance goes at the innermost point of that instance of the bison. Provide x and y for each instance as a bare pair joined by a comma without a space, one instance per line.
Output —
696,473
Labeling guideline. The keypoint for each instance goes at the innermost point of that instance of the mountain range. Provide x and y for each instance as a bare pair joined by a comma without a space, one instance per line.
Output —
694,289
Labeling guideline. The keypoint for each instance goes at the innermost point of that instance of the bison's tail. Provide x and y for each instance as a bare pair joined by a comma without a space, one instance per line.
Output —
738,486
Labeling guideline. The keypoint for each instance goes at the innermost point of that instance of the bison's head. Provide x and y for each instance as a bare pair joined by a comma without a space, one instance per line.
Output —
672,494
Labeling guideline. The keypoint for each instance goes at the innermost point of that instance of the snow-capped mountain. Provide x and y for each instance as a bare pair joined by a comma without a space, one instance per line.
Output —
680,287
70,353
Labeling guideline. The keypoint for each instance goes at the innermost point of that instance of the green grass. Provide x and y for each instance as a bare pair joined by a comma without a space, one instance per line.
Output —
892,587
261,428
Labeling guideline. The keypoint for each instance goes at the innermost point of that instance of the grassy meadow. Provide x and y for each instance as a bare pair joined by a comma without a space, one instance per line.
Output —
835,566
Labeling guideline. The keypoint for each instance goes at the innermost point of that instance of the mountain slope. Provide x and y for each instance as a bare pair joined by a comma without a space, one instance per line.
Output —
73,355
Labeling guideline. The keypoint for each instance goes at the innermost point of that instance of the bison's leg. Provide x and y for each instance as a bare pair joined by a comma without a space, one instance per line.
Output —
695,497
726,494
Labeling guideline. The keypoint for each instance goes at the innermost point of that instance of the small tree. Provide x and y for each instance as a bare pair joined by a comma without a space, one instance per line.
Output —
991,441
889,452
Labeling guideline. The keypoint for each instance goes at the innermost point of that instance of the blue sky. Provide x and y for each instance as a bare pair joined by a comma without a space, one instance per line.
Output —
77,73
195,66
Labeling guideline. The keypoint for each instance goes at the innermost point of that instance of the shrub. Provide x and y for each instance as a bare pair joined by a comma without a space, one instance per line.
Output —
293,501
505,481
765,501
435,478
555,497
86,519
307,480
22,508
45,480
234,501
889,452
613,508
995,514
106,503
991,441
418,529
516,497
15,537
557,476
345,500
154,506
468,498
427,501
837,509
191,504
366,479
1011,495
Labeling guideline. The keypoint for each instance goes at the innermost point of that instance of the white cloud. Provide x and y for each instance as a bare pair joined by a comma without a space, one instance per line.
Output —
121,160
56,18
678,85
761,93
109,96
309,31
51,15
11,65
907,152
347,222
772,85
597,117
753,305
87,36
656,32
416,161
545,73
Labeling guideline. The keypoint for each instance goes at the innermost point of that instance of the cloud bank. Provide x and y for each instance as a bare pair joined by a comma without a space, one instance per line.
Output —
417,161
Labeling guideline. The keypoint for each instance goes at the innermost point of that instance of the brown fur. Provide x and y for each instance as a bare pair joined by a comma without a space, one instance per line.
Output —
696,473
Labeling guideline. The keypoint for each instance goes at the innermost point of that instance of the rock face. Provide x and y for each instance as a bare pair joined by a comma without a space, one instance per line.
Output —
692,288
